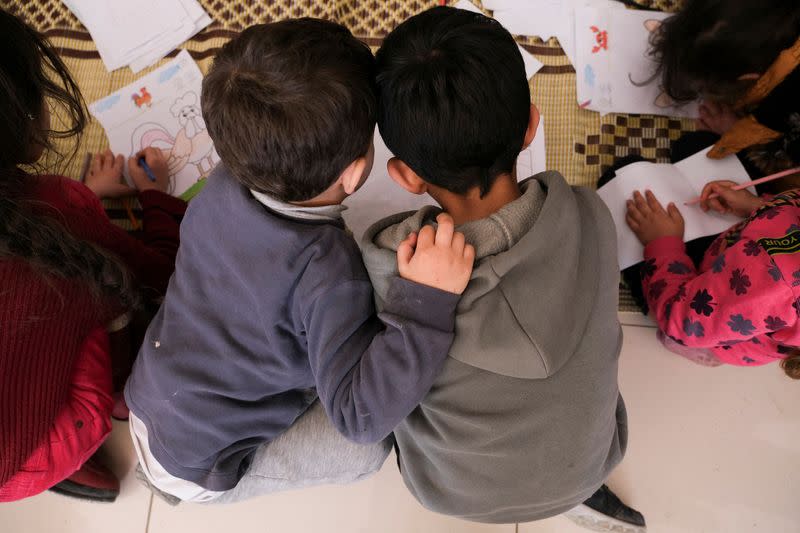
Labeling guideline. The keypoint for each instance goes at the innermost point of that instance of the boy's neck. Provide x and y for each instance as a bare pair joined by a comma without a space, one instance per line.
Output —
471,206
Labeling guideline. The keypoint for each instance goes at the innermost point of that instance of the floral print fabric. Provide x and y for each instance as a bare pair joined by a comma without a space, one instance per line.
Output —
742,304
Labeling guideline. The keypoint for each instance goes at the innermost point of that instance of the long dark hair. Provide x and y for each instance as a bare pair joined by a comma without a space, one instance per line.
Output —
33,76
709,44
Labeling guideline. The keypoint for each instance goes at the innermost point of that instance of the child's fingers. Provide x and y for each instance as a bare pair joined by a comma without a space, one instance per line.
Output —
404,254
119,163
426,237
458,243
108,158
633,211
640,202
445,230
653,202
674,213
469,253
632,222
97,163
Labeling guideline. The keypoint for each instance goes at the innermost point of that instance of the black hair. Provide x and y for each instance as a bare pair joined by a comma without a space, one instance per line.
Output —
709,44
453,98
33,76
290,104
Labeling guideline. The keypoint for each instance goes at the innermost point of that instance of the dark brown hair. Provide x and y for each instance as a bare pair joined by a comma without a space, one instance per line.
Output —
290,104
709,44
32,76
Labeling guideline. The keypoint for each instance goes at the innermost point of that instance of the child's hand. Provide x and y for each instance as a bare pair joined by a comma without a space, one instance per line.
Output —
740,203
716,117
439,258
648,219
158,164
104,178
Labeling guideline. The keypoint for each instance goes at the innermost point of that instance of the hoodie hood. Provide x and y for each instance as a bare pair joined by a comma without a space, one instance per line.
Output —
526,306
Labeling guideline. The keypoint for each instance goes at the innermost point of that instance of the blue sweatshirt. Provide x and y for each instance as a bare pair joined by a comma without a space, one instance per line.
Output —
264,313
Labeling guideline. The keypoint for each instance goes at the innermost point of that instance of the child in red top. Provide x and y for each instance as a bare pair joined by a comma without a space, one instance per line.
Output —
66,273
741,305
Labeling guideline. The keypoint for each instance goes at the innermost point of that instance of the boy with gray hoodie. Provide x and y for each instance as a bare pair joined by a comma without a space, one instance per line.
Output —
525,421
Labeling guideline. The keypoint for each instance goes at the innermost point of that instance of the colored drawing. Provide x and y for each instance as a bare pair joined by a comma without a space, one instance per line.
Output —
107,103
588,75
190,148
165,116
169,73
142,98
601,37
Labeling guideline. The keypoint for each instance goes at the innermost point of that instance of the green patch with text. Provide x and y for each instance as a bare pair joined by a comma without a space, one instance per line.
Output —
788,244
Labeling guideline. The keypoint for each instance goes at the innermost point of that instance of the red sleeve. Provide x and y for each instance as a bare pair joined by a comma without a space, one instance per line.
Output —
738,298
78,430
150,255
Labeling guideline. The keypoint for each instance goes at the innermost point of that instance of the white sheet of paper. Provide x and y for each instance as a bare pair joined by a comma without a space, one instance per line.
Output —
380,196
532,65
197,20
614,71
162,109
676,183
130,33
544,18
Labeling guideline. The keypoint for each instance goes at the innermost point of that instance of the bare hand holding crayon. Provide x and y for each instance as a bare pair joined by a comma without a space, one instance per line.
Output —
437,258
648,219
156,163
104,177
728,200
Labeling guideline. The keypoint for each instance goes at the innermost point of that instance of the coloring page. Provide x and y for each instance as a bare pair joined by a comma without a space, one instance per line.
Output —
592,59
162,110
614,70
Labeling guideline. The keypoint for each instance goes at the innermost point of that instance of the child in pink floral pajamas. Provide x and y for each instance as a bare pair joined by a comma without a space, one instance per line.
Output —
741,306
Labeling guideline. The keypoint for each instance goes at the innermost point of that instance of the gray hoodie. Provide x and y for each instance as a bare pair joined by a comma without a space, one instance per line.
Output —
526,420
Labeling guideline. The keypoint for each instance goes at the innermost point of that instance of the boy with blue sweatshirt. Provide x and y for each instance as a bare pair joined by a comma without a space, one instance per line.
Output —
267,349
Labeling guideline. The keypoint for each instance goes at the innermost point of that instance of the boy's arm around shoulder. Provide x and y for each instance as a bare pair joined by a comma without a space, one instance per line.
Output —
372,370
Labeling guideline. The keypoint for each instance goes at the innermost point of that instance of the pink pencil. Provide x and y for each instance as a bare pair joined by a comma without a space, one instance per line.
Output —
750,184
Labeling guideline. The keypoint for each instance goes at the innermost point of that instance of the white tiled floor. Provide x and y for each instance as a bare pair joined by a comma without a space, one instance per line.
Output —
711,450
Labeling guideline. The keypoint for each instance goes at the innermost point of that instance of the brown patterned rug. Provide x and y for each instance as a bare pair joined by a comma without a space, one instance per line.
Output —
580,143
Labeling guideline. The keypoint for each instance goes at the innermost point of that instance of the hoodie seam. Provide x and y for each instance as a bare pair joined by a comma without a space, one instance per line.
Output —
533,342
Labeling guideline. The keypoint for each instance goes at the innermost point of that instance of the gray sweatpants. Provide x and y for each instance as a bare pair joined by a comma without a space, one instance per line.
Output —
311,452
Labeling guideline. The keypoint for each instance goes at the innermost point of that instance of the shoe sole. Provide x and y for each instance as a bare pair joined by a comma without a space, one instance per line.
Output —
590,519
73,490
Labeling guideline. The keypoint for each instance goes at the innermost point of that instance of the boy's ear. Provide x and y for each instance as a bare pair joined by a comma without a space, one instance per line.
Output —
405,177
533,123
351,177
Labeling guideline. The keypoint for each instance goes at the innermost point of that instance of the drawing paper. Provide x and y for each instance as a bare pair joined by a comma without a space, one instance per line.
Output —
614,71
138,33
676,183
162,109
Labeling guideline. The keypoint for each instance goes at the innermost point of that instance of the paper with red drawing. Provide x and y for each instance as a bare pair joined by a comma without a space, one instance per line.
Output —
162,109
